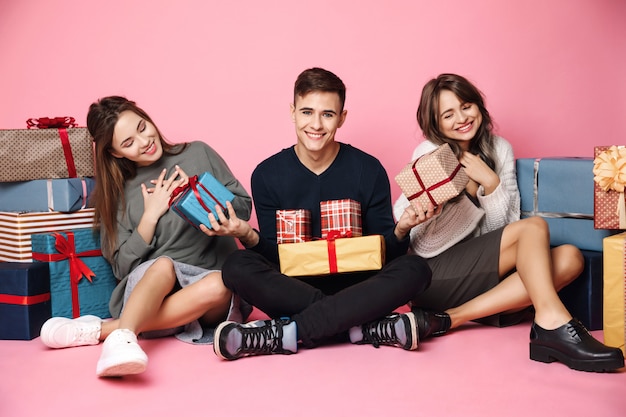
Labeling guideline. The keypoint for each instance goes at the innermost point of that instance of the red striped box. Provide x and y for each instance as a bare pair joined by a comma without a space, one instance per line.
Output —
342,216
16,230
293,226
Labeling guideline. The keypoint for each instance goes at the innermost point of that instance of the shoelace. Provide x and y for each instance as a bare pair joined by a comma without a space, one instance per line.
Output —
381,332
86,334
262,340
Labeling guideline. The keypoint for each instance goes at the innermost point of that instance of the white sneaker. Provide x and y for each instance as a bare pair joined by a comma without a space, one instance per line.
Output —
121,355
61,332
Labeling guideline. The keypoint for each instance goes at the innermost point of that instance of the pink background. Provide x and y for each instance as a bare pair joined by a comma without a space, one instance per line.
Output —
222,72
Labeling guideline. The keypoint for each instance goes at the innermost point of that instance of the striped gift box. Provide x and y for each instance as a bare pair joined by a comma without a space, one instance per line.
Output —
341,216
16,230
293,226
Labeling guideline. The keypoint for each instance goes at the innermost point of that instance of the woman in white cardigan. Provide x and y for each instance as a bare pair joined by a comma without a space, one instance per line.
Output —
488,265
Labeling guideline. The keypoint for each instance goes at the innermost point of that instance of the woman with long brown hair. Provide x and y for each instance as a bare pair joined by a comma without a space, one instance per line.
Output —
169,272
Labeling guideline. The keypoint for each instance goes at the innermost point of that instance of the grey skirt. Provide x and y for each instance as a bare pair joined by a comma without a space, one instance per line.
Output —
463,272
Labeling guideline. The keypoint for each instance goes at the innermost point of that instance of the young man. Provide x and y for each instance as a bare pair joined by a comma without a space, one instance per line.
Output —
312,310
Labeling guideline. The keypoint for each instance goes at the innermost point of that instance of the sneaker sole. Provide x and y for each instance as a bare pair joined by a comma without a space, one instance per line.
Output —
216,339
129,368
414,331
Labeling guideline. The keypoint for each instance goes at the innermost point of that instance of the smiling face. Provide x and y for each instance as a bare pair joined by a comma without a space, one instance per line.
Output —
136,139
458,120
317,116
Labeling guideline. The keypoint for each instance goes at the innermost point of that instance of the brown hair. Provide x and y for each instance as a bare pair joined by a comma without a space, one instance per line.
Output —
428,115
112,172
319,79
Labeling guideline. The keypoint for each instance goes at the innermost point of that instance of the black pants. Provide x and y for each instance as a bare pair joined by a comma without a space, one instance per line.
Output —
324,307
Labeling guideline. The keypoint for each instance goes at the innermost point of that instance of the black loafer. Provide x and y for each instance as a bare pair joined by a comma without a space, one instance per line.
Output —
573,345
431,323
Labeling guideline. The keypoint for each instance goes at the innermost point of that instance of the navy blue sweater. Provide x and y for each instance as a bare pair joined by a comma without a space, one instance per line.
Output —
282,182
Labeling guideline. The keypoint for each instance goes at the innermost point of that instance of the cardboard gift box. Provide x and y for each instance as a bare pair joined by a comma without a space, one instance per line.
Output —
199,197
330,256
560,190
614,295
609,175
64,195
293,226
32,154
16,230
435,177
24,300
583,297
342,216
81,280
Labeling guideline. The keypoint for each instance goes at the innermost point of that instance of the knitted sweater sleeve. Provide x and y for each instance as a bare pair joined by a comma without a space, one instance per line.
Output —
502,206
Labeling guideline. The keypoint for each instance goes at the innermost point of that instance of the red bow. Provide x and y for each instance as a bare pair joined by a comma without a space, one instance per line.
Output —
332,251
78,269
51,122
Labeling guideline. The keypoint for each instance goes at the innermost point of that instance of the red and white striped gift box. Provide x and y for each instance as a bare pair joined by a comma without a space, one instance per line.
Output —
16,230
341,216
293,226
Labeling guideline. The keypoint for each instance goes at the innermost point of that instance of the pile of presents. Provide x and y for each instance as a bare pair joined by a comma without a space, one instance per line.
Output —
50,259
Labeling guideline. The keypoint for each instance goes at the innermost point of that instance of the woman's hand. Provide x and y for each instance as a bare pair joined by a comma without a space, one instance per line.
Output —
156,200
479,173
412,217
231,226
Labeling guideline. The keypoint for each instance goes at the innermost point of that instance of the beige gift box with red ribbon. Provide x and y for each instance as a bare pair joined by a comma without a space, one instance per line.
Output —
609,204
435,177
614,294
34,154
330,256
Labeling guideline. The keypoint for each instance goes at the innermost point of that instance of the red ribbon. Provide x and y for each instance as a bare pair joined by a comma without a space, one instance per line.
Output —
51,122
432,187
78,269
332,251
61,123
24,300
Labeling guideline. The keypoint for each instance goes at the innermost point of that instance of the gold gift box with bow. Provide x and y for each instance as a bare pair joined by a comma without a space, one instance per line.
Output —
609,170
614,294
365,253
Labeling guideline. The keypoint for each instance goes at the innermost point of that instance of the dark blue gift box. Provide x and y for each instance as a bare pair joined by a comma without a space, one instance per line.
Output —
200,198
583,297
24,299
561,191
69,257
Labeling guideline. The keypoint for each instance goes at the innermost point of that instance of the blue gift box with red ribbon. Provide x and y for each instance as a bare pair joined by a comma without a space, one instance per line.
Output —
200,197
24,299
81,280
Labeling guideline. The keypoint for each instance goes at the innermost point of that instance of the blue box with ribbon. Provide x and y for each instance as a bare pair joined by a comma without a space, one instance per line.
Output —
561,191
24,299
62,194
81,280
199,198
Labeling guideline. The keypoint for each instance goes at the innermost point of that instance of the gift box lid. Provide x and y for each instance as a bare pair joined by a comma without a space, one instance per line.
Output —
24,279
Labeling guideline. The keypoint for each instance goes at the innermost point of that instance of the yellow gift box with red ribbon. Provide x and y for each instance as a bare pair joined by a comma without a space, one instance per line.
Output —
81,280
338,253
614,294
609,204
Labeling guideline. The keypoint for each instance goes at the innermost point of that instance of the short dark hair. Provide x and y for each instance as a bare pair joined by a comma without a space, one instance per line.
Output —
319,79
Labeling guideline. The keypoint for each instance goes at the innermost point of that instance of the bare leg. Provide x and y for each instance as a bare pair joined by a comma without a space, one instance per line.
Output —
150,308
541,272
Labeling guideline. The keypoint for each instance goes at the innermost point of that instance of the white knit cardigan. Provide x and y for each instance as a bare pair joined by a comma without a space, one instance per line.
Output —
462,218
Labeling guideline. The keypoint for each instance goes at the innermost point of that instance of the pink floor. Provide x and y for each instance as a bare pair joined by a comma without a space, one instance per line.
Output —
476,371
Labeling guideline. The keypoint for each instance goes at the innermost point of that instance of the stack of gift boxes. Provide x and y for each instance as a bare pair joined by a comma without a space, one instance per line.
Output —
50,259
579,212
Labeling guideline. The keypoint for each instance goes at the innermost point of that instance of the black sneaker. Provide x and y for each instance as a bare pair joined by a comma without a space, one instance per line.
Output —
431,323
261,337
393,330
